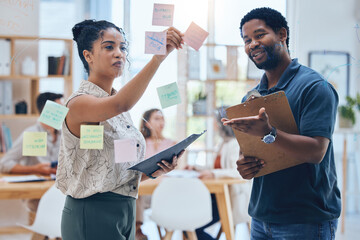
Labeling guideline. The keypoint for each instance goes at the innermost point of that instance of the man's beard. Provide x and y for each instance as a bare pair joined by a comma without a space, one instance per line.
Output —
273,58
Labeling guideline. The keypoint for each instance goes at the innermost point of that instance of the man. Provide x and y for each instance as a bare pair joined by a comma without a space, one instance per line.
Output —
14,162
301,202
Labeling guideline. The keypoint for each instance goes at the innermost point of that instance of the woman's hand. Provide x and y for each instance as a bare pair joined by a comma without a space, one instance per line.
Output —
166,166
174,39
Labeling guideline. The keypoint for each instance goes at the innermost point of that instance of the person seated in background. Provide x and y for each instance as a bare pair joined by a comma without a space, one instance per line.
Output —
225,167
15,163
151,127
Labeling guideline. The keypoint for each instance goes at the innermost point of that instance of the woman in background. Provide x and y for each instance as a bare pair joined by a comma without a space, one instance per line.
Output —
151,127
225,167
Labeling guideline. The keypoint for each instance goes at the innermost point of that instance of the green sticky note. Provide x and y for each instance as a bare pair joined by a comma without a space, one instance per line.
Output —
91,137
53,114
169,95
34,144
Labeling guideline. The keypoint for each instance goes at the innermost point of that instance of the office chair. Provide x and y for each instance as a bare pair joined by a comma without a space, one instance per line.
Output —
48,216
181,204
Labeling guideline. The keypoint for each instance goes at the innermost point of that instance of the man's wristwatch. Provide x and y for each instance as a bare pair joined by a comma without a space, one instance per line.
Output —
270,138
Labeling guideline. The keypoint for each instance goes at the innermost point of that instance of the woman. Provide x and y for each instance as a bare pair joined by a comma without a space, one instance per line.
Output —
151,127
225,167
101,194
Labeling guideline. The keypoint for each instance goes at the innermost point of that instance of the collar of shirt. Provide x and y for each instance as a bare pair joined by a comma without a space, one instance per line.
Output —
286,77
99,91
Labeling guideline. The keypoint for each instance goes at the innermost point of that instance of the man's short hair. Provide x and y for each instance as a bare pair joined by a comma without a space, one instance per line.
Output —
43,97
271,17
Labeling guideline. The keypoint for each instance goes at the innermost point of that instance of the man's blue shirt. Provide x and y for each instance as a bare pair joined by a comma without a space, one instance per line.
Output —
306,193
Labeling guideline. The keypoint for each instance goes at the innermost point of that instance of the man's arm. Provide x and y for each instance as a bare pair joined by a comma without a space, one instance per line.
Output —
10,163
303,148
12,157
40,168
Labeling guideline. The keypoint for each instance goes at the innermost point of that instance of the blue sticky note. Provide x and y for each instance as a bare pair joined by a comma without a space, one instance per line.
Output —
155,43
169,95
53,114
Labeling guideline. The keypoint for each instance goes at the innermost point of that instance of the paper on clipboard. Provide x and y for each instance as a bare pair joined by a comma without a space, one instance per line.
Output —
280,115
149,166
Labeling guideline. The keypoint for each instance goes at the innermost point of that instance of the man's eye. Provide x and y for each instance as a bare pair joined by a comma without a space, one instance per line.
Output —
260,35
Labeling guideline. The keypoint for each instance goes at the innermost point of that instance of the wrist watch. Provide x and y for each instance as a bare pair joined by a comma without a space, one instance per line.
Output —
270,138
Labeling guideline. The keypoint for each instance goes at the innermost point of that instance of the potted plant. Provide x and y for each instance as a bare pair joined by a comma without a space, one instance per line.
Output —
199,105
347,113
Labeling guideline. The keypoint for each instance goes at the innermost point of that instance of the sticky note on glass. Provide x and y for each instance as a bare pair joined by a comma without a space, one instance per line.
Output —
163,14
155,43
169,95
91,137
53,114
125,150
195,36
34,144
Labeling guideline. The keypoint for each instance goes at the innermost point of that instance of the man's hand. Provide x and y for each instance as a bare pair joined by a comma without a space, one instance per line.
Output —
248,167
43,169
254,125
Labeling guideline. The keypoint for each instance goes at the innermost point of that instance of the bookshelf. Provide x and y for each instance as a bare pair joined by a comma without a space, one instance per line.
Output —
25,84
211,78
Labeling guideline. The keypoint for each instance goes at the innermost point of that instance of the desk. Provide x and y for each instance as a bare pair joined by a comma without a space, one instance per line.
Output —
29,190
220,187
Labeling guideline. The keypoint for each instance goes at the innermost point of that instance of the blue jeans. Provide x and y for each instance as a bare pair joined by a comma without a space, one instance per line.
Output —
317,231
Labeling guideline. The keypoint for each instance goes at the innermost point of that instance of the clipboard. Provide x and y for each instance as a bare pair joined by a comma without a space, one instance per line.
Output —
280,115
149,166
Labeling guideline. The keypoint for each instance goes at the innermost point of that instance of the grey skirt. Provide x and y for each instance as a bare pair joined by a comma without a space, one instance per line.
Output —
102,216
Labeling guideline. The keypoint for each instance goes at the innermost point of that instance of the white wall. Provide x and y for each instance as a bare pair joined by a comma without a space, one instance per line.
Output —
325,25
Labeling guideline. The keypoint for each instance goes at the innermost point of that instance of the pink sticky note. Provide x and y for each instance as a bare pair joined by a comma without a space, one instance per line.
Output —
163,14
125,150
195,36
155,43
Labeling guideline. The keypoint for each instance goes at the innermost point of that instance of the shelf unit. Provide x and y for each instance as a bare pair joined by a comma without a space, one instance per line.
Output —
27,87
219,71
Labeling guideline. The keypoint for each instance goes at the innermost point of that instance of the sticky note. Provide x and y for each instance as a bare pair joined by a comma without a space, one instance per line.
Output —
169,95
163,14
34,144
91,137
53,114
195,36
155,43
125,150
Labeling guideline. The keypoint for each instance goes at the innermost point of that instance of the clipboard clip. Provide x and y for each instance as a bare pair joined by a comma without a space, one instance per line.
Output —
252,93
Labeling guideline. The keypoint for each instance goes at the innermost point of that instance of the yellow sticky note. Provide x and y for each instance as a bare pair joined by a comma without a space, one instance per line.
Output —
91,137
34,144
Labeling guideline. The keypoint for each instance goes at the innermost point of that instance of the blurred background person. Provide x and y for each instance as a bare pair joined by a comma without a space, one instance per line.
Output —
151,127
225,167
